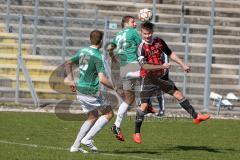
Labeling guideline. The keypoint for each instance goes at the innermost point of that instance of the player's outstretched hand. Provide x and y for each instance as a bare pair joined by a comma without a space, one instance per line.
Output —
73,88
71,84
167,65
110,47
186,68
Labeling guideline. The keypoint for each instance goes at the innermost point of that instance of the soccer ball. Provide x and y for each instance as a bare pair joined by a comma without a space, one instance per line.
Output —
145,15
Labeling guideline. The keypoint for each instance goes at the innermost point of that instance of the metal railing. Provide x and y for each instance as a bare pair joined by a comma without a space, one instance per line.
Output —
36,18
186,50
35,27
61,20
20,65
182,18
207,83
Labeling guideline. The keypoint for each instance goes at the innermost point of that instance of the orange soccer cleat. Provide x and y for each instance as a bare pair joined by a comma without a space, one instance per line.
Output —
200,118
137,138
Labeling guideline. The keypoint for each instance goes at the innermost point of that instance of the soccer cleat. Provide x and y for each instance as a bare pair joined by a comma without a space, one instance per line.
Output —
150,109
73,149
89,144
117,131
137,138
200,118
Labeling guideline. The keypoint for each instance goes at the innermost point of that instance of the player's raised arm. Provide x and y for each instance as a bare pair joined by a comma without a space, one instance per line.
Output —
176,59
156,66
110,48
68,69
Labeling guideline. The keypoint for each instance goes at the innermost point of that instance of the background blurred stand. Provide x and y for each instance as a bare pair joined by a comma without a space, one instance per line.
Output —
219,102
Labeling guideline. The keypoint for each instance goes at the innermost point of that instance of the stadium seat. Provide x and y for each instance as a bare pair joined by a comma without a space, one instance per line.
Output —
216,98
232,96
219,102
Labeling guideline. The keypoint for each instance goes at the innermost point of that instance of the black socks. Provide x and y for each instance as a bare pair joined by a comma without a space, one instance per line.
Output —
139,119
188,107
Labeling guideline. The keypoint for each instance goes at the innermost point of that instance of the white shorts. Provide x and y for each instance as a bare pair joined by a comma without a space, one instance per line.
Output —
130,74
91,102
130,70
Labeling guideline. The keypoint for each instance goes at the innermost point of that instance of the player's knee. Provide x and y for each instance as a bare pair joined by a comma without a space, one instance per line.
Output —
144,106
93,115
129,99
109,114
178,95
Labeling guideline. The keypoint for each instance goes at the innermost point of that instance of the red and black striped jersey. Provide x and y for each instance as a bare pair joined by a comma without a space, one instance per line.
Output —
155,53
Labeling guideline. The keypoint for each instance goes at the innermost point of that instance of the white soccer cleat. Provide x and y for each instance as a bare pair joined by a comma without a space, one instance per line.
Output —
89,144
79,149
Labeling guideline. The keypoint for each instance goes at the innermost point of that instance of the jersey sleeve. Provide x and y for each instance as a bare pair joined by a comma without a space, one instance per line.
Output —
75,58
166,49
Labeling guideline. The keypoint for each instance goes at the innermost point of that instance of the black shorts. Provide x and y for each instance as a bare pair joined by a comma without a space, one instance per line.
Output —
151,86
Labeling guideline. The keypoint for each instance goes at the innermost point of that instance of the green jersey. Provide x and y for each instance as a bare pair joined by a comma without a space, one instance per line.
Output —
127,41
90,64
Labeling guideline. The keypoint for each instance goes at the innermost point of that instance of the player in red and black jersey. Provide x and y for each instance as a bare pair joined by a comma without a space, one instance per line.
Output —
153,53
154,76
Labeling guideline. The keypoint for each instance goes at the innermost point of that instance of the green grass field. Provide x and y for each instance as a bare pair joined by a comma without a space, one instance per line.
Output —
41,136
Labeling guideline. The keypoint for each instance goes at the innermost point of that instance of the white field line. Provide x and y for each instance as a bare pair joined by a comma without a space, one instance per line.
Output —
67,149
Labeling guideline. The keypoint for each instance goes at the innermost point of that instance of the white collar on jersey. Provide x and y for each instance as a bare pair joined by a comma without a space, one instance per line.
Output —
93,46
147,42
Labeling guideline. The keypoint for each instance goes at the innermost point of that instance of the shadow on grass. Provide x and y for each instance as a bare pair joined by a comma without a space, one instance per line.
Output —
199,148
142,151
162,150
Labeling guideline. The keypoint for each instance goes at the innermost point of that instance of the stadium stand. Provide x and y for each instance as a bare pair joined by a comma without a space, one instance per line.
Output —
226,40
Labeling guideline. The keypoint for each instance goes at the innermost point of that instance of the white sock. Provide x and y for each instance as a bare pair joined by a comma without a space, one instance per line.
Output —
99,124
83,131
121,113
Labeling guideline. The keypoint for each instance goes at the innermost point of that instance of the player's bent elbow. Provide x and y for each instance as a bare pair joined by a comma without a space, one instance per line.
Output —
68,64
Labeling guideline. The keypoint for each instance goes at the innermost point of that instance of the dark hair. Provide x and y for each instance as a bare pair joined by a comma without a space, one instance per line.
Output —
126,19
96,37
148,26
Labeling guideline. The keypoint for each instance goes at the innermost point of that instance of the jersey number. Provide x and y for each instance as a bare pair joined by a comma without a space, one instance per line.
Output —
83,63
121,42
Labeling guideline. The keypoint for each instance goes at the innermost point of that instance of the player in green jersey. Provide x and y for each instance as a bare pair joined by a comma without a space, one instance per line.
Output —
125,49
91,74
